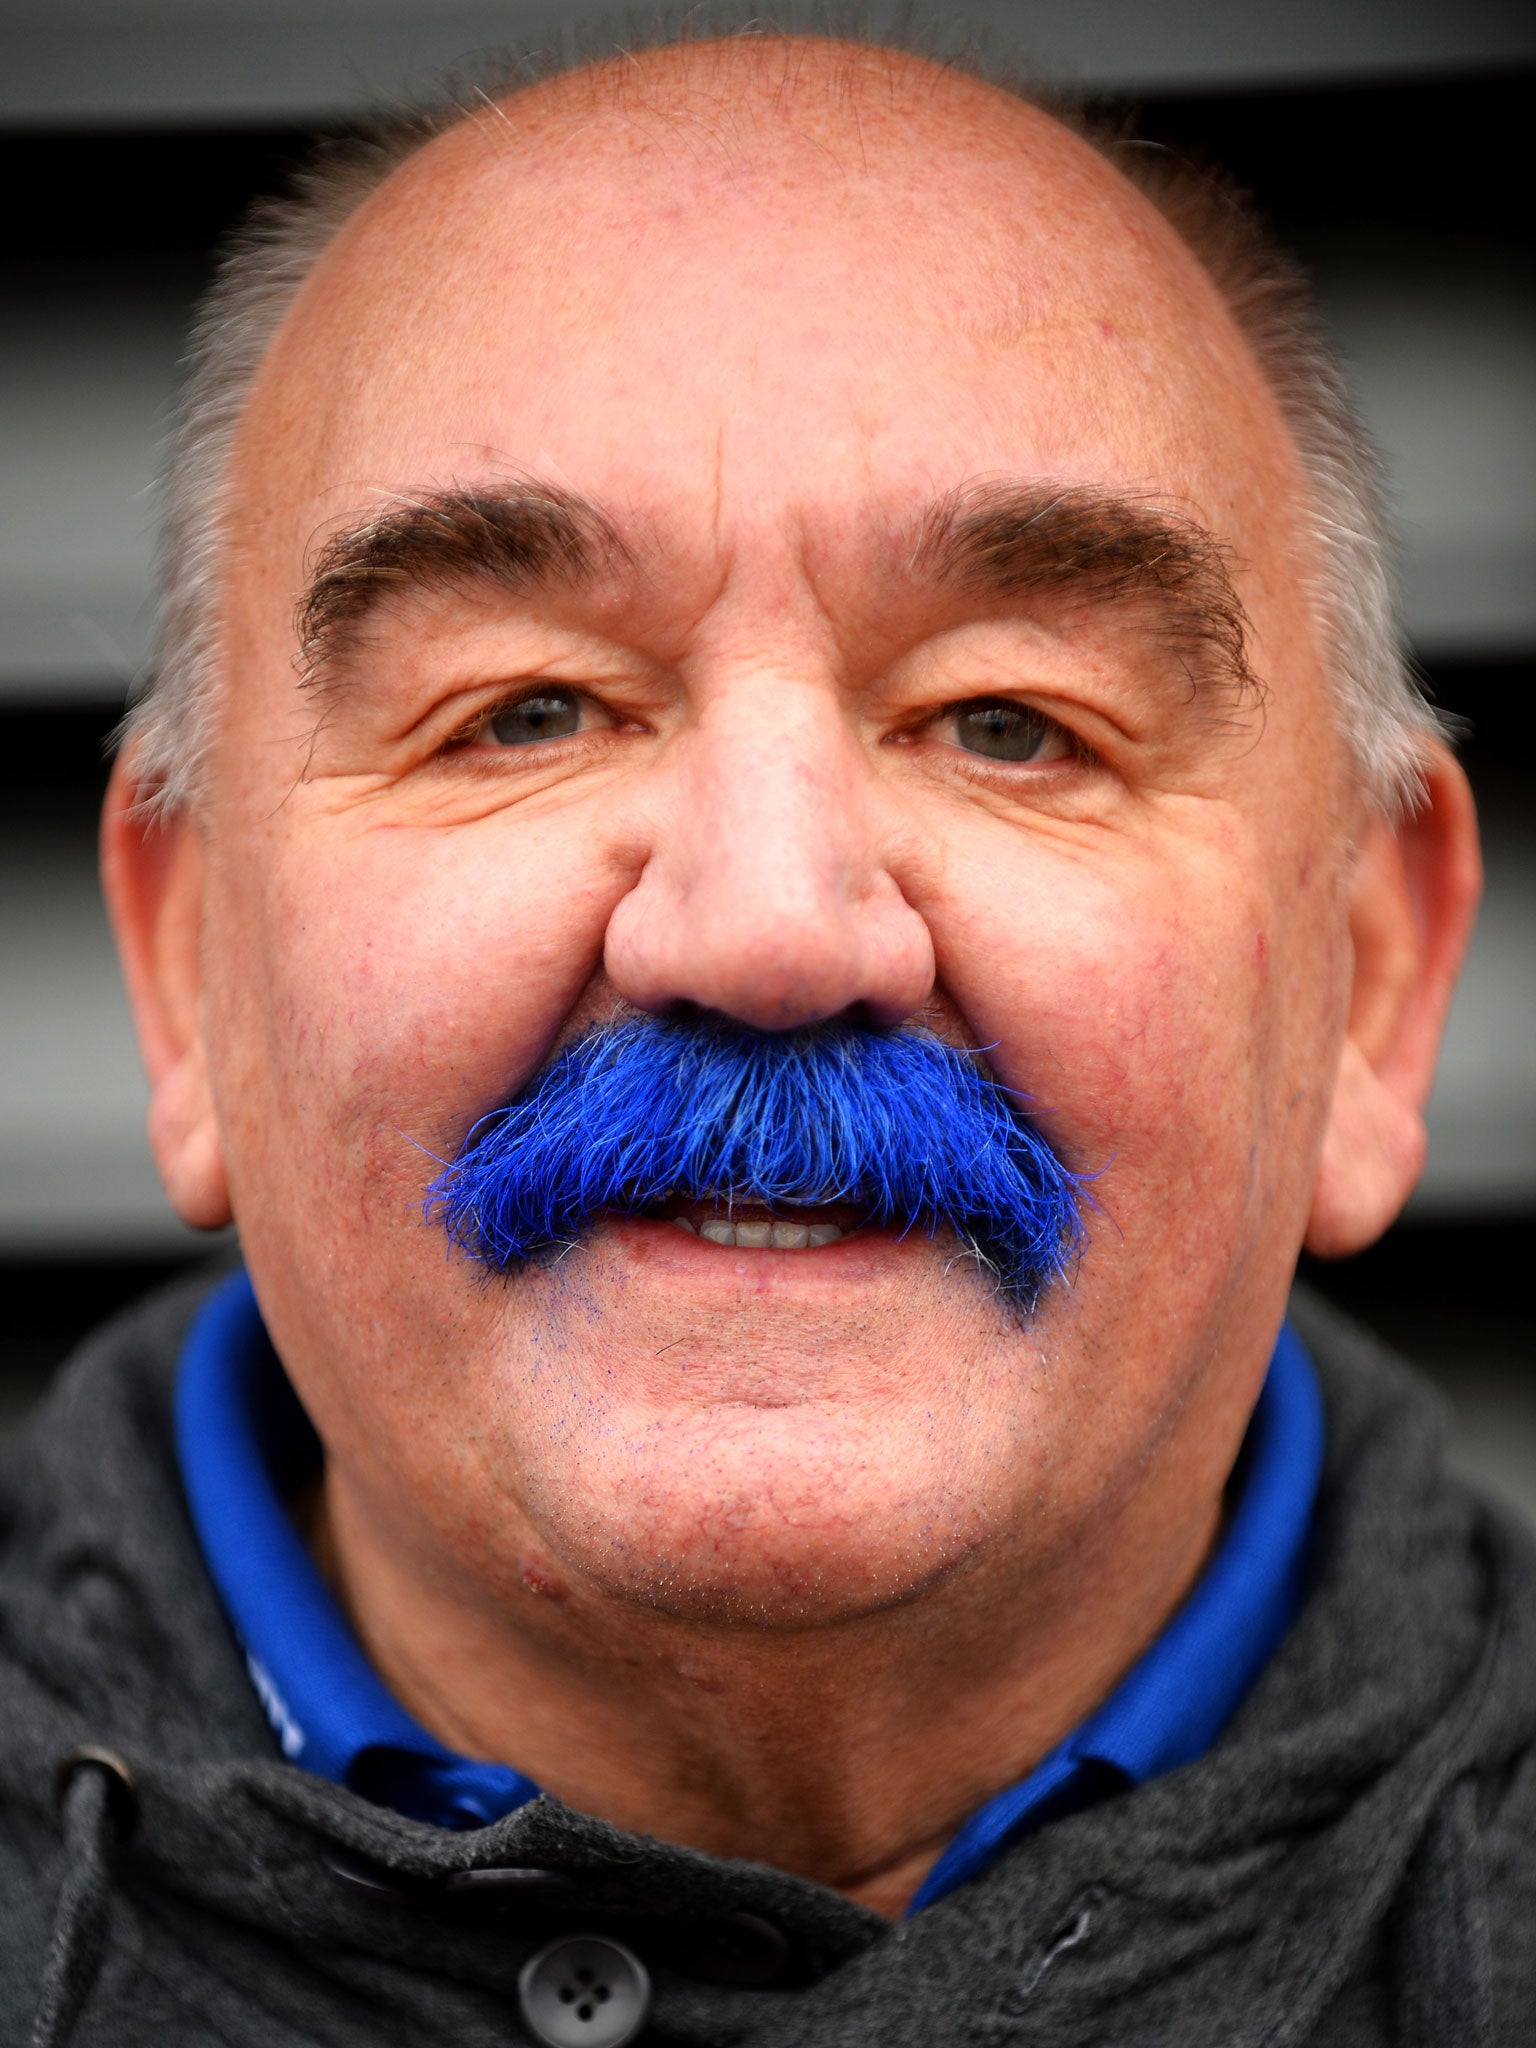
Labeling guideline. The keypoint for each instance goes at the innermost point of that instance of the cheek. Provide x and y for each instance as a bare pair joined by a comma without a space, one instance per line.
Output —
379,988
1136,1007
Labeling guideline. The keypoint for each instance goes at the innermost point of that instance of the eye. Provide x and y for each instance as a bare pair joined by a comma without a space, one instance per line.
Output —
547,713
1001,730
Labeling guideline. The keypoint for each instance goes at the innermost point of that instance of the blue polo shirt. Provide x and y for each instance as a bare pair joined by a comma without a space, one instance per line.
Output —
245,1446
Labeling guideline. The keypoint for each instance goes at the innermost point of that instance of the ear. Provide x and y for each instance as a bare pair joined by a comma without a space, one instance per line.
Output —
152,873
1413,903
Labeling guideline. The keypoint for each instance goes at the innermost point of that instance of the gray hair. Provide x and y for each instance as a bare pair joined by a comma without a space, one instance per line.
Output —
1383,713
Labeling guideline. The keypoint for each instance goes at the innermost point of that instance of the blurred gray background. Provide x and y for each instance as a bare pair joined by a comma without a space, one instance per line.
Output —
1384,138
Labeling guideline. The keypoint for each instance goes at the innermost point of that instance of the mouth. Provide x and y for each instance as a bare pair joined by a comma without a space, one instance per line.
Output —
755,1227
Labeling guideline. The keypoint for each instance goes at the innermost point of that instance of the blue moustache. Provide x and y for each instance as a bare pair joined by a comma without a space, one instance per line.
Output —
911,1131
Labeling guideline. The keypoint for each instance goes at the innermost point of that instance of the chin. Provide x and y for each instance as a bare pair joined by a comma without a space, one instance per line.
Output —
753,1527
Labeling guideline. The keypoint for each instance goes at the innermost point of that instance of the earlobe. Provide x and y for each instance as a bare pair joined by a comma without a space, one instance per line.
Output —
1372,1156
1413,903
152,875
185,1141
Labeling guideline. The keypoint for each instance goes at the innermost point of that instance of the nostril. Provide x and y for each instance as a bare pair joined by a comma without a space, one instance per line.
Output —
686,1012
690,1015
860,1016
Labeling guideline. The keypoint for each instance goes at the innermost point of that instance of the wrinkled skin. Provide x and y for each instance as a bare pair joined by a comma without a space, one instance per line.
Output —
790,1555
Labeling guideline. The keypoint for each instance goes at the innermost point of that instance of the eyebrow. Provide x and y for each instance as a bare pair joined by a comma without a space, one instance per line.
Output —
1081,543
524,538
1087,543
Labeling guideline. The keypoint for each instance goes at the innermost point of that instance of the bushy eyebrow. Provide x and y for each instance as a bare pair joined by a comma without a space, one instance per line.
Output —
1080,543
1088,544
523,538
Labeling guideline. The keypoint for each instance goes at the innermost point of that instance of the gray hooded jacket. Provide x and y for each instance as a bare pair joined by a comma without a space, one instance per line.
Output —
1353,1862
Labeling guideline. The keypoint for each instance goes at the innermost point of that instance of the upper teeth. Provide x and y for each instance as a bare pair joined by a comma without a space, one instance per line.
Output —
757,1237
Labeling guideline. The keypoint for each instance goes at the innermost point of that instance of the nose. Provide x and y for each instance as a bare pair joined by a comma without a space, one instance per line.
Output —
770,893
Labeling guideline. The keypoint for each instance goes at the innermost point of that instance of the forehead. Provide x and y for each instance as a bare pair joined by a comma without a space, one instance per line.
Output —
727,306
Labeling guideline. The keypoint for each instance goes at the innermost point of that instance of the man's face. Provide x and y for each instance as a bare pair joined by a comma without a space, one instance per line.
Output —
786,361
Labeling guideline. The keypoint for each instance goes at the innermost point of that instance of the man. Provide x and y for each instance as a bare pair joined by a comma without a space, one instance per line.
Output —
778,862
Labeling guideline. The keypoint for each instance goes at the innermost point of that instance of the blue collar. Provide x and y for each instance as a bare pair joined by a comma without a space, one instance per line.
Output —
245,1445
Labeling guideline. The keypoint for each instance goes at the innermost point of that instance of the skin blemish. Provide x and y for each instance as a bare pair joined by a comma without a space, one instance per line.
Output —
537,1580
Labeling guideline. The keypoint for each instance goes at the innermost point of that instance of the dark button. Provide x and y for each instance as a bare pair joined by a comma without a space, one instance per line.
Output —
584,1991
499,1883
741,1949
374,1884
508,1881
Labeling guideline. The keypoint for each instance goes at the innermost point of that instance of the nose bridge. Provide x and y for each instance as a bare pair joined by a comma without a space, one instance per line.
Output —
776,793
768,894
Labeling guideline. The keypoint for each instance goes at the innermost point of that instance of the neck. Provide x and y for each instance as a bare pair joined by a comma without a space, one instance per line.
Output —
849,1753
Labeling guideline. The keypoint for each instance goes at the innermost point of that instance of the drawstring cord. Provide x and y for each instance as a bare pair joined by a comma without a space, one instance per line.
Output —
98,1807
1444,1963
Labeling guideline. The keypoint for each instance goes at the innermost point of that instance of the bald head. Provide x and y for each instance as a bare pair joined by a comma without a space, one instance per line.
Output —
701,189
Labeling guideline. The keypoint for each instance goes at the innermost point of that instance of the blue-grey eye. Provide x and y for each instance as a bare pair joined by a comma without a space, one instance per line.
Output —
1005,731
545,715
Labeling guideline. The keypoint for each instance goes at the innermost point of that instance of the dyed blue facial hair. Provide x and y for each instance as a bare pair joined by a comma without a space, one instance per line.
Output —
633,1114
